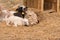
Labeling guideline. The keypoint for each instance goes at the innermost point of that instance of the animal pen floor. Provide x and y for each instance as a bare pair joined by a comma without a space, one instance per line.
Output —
47,29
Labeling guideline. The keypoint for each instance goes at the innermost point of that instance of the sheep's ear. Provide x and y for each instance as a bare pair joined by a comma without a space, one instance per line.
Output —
25,8
18,9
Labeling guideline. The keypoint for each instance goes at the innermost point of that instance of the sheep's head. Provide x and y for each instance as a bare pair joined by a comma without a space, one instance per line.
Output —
21,8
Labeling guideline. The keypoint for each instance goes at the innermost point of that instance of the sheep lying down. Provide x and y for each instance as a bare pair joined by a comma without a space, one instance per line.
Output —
16,21
6,14
32,17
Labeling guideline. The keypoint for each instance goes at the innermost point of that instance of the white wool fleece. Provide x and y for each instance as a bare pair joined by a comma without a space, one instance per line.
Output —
16,21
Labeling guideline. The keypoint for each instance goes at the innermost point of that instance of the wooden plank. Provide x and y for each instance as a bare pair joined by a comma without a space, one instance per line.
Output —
28,3
42,4
32,3
57,5
25,2
36,4
39,4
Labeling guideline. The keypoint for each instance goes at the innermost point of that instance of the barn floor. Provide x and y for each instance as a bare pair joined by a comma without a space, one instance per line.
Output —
47,29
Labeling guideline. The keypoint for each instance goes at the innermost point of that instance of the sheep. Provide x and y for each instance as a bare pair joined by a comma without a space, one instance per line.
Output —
32,17
16,21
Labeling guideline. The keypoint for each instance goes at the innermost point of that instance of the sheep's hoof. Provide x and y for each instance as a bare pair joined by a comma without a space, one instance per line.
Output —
8,25
38,22
26,25
15,25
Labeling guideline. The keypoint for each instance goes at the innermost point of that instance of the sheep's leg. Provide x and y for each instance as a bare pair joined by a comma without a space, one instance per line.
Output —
26,22
6,16
8,23
15,24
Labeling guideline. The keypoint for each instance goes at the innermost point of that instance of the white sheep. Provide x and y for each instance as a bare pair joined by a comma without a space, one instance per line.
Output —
16,21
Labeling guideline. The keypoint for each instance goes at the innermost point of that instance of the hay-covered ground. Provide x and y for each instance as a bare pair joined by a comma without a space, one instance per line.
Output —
47,29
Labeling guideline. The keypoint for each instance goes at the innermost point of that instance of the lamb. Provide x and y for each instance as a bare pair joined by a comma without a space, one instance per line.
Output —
29,14
16,21
32,17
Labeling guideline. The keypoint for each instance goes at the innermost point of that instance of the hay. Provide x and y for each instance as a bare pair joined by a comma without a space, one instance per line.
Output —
47,29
